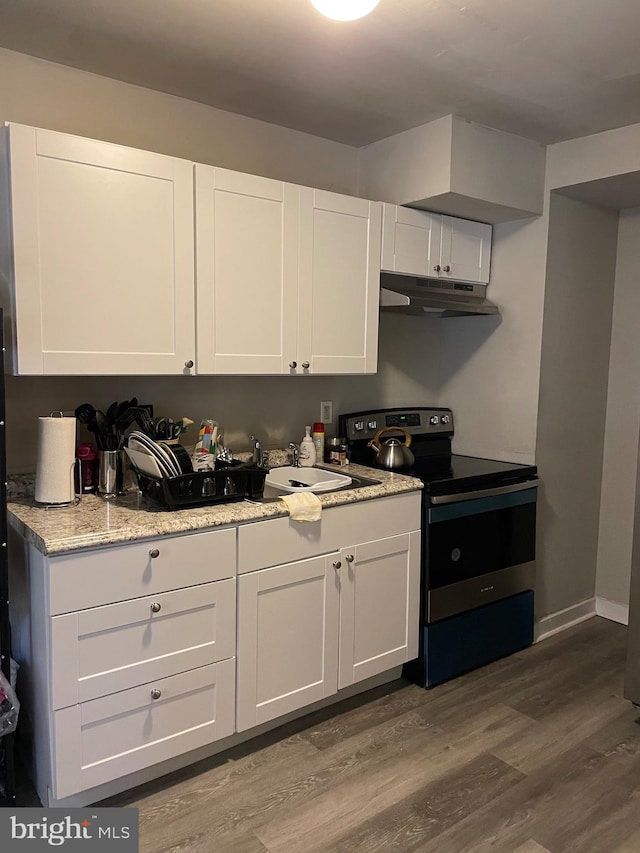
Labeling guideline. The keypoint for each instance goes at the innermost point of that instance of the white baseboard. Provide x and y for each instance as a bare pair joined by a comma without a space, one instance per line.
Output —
612,610
563,619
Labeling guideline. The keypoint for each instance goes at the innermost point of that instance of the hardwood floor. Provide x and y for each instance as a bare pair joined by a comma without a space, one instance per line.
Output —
536,753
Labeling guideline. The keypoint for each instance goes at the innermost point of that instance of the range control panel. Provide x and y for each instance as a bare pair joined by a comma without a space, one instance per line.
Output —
360,426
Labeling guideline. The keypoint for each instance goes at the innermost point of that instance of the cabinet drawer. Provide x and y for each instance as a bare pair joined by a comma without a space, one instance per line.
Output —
108,649
119,734
89,579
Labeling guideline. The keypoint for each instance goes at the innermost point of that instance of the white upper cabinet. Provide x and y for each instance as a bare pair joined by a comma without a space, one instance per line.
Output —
339,283
418,243
465,250
103,266
287,277
410,241
246,272
103,271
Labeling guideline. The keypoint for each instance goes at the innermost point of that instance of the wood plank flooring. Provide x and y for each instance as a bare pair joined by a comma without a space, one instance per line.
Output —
536,753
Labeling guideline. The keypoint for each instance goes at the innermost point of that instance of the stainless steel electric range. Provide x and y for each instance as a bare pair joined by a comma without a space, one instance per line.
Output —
478,542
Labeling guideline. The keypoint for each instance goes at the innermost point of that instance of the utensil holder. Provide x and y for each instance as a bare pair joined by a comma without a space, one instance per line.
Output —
110,471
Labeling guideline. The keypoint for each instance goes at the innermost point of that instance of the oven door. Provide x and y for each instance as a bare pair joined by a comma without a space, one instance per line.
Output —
479,548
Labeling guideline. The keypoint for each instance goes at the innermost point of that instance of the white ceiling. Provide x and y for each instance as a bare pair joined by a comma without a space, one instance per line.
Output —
545,69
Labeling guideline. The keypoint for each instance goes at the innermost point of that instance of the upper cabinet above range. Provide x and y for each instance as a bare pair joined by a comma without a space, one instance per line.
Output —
432,245
102,278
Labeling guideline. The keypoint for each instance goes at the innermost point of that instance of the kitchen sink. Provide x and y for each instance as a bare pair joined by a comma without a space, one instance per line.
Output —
291,479
272,493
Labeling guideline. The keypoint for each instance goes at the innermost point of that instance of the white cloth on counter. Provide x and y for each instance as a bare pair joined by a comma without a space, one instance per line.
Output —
303,506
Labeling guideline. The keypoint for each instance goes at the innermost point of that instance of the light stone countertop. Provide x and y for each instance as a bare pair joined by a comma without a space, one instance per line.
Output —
96,522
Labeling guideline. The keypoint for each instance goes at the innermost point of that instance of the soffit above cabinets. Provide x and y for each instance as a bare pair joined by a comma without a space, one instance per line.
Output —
518,67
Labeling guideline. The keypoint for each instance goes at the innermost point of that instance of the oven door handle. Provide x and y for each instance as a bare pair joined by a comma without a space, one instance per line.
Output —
484,493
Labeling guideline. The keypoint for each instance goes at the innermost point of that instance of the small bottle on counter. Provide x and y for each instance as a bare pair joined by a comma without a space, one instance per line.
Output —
336,451
318,440
307,456
88,458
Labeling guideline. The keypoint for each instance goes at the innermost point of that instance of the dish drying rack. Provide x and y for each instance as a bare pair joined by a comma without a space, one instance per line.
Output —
231,481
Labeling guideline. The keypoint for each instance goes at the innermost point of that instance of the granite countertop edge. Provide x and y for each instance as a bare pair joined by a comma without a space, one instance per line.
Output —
96,523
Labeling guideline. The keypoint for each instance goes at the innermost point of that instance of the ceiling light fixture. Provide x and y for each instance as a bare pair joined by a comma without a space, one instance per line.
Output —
345,10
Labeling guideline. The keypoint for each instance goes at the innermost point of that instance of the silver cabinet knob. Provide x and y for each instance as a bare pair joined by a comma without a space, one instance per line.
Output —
293,364
436,268
337,565
306,365
156,607
349,558
446,269
155,693
189,364
153,553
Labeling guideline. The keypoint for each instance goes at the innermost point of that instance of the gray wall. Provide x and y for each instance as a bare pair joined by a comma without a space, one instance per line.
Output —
623,422
576,338
491,365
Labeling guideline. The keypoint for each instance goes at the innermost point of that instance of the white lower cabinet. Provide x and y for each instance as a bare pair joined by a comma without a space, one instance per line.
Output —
287,639
379,601
132,658
309,628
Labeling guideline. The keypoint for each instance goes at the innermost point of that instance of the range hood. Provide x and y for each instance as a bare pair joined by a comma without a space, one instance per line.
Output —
428,297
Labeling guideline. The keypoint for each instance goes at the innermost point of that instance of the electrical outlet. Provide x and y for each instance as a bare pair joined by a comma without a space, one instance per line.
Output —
326,412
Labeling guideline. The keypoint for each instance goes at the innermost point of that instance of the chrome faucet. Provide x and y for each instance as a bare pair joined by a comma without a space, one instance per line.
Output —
295,450
258,455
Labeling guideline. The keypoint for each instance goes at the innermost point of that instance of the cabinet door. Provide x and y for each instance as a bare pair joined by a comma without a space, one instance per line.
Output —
466,250
287,639
246,262
379,606
410,241
103,257
339,283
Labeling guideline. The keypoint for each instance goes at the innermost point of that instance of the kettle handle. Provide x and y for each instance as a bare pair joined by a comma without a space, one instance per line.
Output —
375,441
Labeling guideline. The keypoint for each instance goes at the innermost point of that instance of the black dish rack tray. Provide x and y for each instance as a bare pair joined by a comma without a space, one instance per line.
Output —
231,481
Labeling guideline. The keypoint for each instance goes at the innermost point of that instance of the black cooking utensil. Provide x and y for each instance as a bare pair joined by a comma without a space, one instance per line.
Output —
105,431
111,412
85,413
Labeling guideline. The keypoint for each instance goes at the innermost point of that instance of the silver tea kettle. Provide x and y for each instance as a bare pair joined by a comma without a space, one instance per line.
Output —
392,454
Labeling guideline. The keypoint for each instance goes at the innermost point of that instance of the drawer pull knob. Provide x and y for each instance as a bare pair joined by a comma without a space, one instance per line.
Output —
349,558
306,365
155,693
337,565
156,607
188,364
153,553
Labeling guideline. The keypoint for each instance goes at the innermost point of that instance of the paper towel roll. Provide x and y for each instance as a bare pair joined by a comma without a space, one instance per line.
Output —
56,460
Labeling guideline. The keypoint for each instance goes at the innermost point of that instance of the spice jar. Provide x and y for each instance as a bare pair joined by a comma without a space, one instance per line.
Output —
336,451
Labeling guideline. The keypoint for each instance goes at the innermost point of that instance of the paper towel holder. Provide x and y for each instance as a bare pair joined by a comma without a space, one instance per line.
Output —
76,480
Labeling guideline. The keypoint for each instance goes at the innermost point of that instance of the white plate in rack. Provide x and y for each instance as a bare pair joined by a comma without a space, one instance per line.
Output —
139,441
